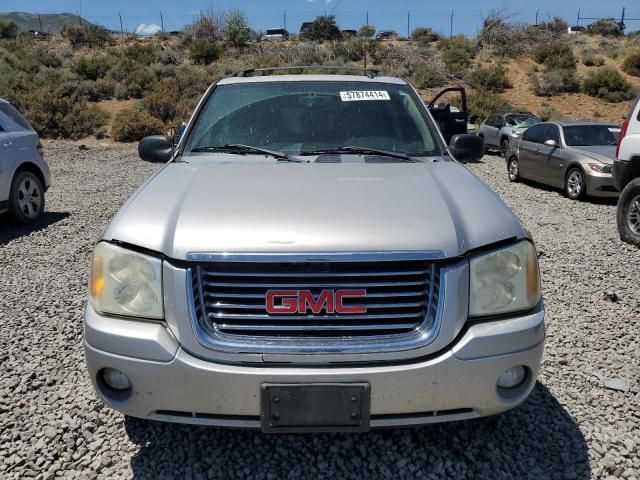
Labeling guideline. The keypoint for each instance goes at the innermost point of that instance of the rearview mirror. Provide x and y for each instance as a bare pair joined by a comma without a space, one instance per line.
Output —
551,143
156,148
466,147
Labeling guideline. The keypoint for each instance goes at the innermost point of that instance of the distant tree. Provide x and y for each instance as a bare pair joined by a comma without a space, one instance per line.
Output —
8,30
322,29
85,35
606,27
236,29
366,31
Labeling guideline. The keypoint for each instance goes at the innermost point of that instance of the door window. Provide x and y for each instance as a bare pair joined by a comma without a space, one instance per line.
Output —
535,133
552,133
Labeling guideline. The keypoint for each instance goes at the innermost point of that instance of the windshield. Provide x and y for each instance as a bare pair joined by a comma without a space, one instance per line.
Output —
277,31
303,116
520,121
591,135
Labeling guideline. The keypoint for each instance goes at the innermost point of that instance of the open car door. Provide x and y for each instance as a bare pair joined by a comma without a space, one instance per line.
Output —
451,122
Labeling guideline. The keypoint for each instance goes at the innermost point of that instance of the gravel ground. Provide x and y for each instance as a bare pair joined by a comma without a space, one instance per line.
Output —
573,425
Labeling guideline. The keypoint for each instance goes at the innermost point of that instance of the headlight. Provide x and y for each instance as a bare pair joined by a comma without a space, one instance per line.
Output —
124,282
514,133
601,167
505,280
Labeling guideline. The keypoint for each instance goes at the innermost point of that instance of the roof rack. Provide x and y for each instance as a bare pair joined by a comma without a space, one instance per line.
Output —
369,72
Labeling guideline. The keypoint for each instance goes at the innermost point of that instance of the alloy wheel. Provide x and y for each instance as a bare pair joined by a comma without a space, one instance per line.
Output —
633,215
513,169
574,183
29,198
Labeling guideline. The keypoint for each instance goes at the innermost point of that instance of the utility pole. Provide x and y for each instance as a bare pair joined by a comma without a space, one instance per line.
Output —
622,19
367,18
409,24
161,21
451,25
80,13
285,19
537,12
40,22
578,19
121,28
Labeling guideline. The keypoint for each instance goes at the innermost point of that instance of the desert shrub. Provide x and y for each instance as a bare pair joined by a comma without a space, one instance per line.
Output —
80,90
554,82
457,53
140,53
8,30
366,31
427,75
91,67
482,103
548,113
127,72
236,29
352,50
607,27
85,35
134,124
557,26
424,35
493,78
55,116
607,83
207,26
203,51
323,28
591,60
175,98
631,64
555,55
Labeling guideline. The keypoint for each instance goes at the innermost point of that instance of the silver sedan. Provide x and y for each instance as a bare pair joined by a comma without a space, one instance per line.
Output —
576,156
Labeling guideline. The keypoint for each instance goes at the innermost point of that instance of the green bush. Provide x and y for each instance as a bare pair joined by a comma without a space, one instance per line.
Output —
493,78
457,53
631,64
482,103
607,27
55,116
91,67
554,82
140,53
134,124
236,29
591,60
424,35
608,84
8,30
85,35
426,75
548,113
175,98
203,51
366,31
322,29
555,55
352,50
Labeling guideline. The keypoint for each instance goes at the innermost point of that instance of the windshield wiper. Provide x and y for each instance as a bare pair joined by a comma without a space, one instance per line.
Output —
239,149
359,151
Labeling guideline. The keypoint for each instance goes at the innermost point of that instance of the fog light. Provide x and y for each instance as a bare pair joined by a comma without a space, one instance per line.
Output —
116,379
513,377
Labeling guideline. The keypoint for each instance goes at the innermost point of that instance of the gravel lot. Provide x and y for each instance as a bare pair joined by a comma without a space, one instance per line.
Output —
572,427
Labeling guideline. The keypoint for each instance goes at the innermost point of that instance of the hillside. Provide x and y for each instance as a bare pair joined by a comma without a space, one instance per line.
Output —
51,22
88,83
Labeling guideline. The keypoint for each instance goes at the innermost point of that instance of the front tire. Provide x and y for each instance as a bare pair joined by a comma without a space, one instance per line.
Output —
575,185
26,200
504,147
628,213
513,170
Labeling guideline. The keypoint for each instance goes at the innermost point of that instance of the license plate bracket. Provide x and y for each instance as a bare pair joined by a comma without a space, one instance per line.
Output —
315,407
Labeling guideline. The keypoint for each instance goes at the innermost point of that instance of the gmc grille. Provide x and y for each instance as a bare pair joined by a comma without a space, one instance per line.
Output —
401,299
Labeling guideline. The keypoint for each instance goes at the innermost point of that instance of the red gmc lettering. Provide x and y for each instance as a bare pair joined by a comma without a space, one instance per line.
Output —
303,301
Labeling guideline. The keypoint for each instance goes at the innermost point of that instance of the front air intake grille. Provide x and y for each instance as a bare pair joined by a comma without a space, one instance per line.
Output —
382,298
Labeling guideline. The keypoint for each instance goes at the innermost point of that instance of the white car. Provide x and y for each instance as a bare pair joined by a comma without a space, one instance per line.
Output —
24,175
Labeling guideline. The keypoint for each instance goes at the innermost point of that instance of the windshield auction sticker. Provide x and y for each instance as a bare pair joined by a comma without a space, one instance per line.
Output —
361,95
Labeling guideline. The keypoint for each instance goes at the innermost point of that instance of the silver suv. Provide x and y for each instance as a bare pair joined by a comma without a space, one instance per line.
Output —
501,130
24,175
313,257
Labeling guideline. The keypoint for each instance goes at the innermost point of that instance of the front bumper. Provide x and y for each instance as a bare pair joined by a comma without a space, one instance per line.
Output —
170,384
600,185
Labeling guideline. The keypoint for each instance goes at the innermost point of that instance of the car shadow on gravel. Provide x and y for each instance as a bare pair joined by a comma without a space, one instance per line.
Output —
595,200
10,230
538,440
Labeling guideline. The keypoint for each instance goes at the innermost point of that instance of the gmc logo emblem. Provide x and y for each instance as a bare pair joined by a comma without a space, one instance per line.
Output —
303,301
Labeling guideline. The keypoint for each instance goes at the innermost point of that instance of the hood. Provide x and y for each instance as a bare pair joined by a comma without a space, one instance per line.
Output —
601,153
257,207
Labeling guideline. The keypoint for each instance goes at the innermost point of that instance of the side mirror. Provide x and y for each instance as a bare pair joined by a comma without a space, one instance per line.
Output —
466,147
551,143
156,148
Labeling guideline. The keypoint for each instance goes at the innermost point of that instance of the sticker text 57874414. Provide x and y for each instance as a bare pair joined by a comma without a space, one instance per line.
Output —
360,95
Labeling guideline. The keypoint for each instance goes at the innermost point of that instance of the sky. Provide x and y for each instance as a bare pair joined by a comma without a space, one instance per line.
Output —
399,15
